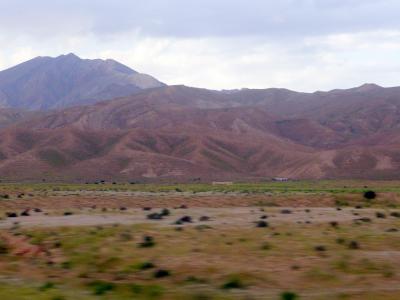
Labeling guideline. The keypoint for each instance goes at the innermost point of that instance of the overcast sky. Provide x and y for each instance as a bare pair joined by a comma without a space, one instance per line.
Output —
305,45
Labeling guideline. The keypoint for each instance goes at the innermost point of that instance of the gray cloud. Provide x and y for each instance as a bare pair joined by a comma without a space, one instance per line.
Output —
188,18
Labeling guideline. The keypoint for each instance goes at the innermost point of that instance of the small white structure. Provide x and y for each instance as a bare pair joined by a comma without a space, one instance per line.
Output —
280,179
222,183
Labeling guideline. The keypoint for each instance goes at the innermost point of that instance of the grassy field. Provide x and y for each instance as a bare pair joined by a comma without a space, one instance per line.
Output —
302,253
326,186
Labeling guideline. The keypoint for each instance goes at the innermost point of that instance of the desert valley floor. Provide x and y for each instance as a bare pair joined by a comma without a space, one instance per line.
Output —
294,240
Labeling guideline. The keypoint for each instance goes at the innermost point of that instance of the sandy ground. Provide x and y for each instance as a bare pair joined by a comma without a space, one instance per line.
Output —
237,216
117,199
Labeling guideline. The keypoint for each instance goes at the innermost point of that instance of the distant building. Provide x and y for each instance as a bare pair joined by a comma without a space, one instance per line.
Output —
281,179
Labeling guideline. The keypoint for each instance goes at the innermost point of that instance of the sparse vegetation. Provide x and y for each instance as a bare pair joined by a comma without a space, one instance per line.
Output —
152,260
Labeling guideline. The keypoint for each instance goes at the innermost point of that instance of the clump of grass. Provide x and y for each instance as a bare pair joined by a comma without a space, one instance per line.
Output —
194,279
126,236
4,249
101,287
66,265
266,246
46,286
340,241
149,292
340,202
148,241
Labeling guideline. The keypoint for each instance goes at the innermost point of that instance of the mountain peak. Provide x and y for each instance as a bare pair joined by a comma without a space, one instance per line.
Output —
69,56
55,82
368,87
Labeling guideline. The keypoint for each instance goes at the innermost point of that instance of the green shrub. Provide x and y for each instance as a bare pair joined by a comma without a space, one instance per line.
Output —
3,248
289,296
145,265
46,286
101,287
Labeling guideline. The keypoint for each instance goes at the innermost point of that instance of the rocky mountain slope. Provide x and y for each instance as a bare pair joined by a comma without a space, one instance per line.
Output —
182,133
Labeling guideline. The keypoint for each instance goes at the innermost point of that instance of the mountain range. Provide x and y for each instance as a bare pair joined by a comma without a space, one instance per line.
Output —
80,120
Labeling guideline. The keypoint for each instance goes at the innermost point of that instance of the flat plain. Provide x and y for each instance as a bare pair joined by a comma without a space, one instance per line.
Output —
289,240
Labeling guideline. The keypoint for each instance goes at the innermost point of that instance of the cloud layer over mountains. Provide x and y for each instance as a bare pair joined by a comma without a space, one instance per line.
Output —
304,45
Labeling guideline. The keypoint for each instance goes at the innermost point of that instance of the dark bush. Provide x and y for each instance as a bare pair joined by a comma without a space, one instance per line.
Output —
161,273
204,218
364,219
165,212
334,224
380,215
262,224
234,283
25,213
11,215
320,248
369,195
286,211
354,245
395,214
184,219
289,296
68,213
145,265
147,242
